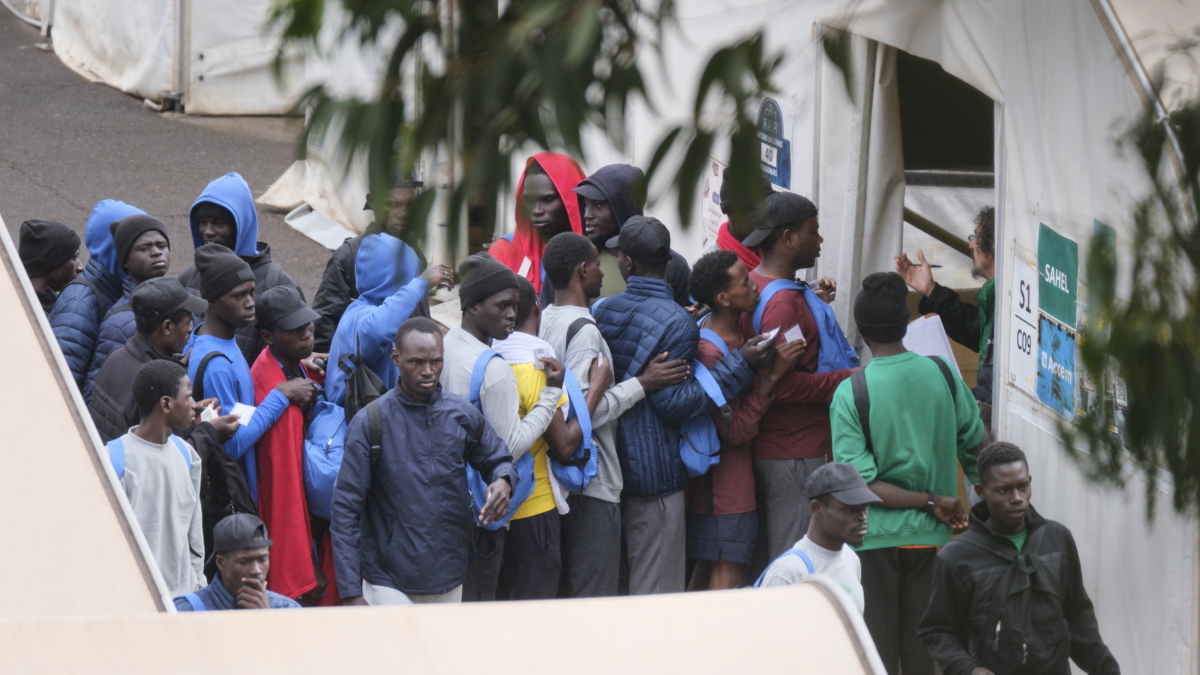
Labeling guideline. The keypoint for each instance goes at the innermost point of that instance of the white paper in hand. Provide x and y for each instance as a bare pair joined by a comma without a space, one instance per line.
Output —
208,414
792,334
244,412
772,333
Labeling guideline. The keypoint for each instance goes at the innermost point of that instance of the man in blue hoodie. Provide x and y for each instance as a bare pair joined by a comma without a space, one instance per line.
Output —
609,198
227,283
224,214
389,289
84,302
638,325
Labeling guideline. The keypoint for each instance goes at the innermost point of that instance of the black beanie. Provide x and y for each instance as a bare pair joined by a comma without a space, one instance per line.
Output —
483,277
45,245
881,308
220,271
125,233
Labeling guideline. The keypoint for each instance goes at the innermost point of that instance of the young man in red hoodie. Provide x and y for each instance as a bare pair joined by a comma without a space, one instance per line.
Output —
286,326
541,213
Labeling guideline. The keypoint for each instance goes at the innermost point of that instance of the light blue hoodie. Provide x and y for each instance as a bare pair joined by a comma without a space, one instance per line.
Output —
232,192
389,288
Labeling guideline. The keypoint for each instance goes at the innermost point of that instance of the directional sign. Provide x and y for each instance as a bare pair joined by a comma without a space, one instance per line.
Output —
1058,266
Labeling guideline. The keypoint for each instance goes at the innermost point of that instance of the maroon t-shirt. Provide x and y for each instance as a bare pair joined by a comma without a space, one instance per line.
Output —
729,487
797,425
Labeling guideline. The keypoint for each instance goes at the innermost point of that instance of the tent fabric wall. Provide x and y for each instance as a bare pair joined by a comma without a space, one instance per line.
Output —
129,46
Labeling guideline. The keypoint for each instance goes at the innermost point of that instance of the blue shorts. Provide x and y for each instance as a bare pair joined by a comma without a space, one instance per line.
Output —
729,537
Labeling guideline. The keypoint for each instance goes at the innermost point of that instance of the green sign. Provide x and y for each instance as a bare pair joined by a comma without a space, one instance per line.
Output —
1058,269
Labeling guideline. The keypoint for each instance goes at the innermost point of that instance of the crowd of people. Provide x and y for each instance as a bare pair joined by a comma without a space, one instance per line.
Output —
605,420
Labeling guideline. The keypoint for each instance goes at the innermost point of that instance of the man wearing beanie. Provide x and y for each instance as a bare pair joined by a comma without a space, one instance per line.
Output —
639,325
49,252
920,420
227,283
488,294
793,436
224,214
143,252
391,286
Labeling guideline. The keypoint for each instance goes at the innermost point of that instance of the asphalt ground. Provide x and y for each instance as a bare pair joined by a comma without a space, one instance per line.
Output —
66,143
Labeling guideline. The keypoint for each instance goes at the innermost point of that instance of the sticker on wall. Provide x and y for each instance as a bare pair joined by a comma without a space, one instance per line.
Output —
1023,329
775,141
1056,366
710,201
1058,266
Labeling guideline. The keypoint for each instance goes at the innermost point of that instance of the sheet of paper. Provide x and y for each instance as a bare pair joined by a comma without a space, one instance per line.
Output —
540,353
927,336
208,414
244,412
792,334
772,333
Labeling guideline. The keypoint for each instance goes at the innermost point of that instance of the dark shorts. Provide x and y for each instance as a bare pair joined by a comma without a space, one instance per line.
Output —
730,537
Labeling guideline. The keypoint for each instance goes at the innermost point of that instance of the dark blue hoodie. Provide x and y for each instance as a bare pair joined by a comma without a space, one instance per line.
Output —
233,193
77,314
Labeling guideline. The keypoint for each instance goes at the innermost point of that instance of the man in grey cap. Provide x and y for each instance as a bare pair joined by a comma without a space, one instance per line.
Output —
243,559
838,497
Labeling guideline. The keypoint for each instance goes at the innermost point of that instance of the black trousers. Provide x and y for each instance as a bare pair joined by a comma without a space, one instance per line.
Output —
533,557
896,585
483,565
591,547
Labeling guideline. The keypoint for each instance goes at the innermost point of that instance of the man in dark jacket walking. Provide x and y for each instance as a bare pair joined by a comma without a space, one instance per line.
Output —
1008,594
638,325
401,516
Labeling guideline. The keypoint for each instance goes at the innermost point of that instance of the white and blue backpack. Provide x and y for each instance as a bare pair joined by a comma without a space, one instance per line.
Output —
116,454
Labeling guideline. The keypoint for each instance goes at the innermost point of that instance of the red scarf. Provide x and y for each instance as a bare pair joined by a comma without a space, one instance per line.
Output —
565,173
281,503
727,242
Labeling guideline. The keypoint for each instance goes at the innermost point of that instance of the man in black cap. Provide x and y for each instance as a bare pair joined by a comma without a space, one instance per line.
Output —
793,439
607,200
243,560
488,294
143,252
903,422
640,324
838,497
49,252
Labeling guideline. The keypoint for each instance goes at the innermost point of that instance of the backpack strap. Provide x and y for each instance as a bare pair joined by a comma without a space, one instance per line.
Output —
951,381
572,330
711,335
84,281
477,376
198,384
374,431
274,271
476,435
195,601
116,455
183,450
710,386
123,307
862,403
791,551
768,293
578,411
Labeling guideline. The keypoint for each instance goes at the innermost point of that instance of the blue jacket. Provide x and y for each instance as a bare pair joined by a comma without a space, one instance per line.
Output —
406,523
77,314
228,379
232,192
389,291
118,326
638,325
216,597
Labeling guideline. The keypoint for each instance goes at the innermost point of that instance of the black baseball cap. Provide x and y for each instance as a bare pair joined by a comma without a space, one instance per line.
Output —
644,239
283,307
779,209
239,532
843,481
159,299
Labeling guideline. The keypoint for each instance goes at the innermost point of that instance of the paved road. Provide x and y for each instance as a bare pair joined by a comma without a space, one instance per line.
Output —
66,143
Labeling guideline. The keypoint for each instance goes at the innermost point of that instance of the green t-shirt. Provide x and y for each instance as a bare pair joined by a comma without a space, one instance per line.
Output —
1018,540
918,434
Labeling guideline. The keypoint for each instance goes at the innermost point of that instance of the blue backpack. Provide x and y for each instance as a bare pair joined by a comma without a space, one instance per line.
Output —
577,473
195,601
523,466
116,454
700,446
835,352
324,446
790,551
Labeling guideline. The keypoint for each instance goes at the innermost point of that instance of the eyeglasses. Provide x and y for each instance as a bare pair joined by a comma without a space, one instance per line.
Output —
973,239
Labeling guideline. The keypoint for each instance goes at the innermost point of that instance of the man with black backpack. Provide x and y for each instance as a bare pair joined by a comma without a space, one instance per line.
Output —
1008,593
903,422
401,529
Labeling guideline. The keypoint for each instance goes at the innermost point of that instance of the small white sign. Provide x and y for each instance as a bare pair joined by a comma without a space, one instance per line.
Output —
244,412
792,334
1023,329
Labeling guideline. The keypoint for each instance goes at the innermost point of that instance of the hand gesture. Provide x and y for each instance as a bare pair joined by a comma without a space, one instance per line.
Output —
555,373
226,426
310,363
252,594
950,511
199,406
826,289
919,277
438,274
497,502
786,356
661,373
299,391
600,375
697,310
758,352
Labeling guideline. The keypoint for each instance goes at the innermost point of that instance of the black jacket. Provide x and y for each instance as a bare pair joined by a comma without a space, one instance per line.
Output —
112,406
406,521
1045,617
339,288
961,321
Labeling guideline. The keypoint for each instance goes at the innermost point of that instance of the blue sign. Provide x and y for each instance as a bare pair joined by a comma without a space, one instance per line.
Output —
775,150
1056,367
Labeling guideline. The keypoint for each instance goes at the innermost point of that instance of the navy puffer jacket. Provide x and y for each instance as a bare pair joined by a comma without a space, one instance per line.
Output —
79,311
639,324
